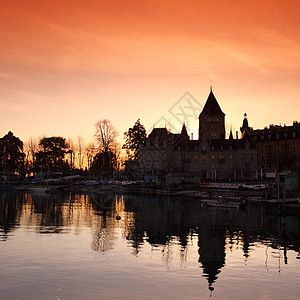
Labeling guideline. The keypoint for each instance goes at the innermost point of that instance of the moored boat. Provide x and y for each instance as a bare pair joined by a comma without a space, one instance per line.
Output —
40,189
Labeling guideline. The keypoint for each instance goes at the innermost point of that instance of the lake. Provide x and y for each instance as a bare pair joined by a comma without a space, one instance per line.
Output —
113,246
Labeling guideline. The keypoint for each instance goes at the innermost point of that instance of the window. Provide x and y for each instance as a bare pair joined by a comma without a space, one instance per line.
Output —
230,156
212,156
156,165
214,133
204,166
196,157
204,157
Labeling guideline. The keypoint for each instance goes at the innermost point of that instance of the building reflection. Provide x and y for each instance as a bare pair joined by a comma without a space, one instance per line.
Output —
168,225
211,243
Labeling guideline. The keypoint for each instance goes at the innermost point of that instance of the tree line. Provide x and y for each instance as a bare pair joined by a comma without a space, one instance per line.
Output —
101,158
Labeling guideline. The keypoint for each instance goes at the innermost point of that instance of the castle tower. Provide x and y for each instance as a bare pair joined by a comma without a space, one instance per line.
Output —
211,120
245,129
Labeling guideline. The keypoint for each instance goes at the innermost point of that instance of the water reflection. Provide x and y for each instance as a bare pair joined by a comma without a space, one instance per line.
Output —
163,223
10,210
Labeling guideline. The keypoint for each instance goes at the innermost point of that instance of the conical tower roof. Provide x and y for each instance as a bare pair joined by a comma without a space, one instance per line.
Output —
183,130
211,106
245,122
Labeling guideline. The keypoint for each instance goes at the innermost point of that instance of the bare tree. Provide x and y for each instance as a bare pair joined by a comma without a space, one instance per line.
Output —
28,158
116,149
80,147
31,148
106,138
90,152
72,152
105,135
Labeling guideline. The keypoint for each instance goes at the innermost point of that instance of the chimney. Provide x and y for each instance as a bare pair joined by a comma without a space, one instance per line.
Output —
191,136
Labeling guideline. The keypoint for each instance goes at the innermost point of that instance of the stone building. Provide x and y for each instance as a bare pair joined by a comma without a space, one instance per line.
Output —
278,148
211,157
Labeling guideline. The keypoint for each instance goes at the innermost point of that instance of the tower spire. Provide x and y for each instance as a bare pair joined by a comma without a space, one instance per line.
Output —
231,135
245,129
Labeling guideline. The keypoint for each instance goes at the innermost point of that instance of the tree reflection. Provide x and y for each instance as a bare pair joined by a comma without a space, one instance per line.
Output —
104,229
103,234
49,213
133,234
168,225
10,210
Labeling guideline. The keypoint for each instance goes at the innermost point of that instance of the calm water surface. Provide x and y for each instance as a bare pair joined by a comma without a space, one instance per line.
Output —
71,246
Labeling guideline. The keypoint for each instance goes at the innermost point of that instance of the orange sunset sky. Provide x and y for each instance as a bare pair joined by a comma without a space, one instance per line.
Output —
66,64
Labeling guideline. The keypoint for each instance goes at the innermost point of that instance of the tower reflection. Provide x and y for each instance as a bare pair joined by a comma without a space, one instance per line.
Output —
211,242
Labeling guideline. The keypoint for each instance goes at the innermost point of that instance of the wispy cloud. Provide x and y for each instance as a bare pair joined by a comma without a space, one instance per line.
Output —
8,75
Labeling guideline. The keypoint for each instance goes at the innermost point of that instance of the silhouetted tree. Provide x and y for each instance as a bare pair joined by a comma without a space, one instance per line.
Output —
80,149
11,153
134,137
99,164
76,152
90,151
106,139
30,149
105,135
71,152
52,155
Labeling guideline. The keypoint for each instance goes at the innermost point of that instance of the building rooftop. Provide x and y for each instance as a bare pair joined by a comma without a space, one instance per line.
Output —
212,106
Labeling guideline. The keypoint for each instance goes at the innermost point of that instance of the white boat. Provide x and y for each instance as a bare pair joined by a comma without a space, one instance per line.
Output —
40,189
220,203
252,187
188,193
223,204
